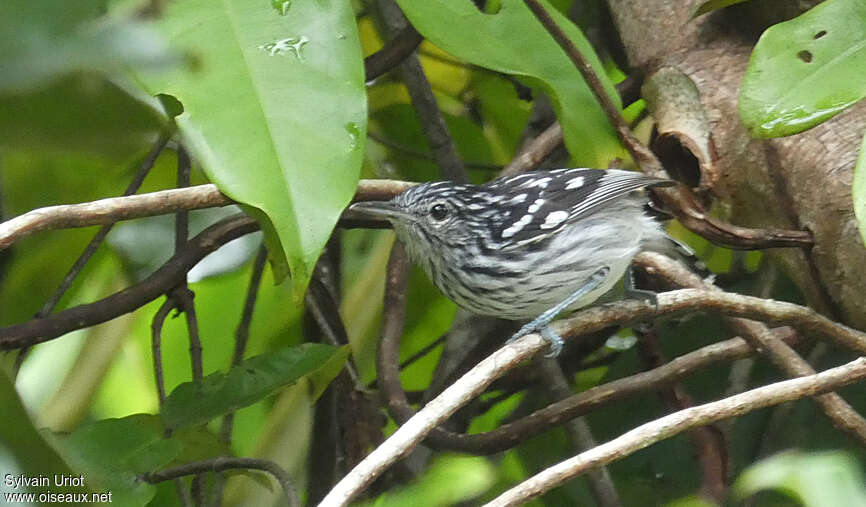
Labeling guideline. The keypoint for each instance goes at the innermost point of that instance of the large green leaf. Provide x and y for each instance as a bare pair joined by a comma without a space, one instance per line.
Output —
275,112
80,113
20,439
112,453
43,40
255,379
806,70
821,479
54,93
450,480
513,41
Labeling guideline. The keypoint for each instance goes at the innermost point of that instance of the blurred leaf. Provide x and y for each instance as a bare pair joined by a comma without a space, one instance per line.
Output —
275,113
81,113
691,501
19,437
255,379
514,42
112,453
820,479
712,5
449,481
806,70
409,149
197,443
858,191
42,40
145,244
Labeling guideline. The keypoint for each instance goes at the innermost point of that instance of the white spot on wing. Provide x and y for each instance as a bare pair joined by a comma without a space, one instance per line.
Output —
554,218
517,226
540,183
574,183
535,206
517,199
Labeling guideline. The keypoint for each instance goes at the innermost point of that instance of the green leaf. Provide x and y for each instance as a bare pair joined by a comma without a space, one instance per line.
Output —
40,41
513,41
275,113
20,438
712,5
806,70
61,86
113,453
81,113
859,191
820,479
450,480
255,379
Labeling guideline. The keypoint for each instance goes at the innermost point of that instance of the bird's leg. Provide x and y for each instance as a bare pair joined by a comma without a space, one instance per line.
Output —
541,323
632,292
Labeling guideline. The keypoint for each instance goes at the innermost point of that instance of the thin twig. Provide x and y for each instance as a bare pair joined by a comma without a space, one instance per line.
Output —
708,441
579,432
223,463
143,170
242,333
158,283
156,348
640,153
424,102
535,151
840,413
184,300
115,209
679,201
408,150
392,53
673,424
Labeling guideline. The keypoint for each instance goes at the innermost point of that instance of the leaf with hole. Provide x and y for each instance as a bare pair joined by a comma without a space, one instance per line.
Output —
806,70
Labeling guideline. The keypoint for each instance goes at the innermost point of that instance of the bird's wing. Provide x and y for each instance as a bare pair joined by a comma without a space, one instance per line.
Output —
539,204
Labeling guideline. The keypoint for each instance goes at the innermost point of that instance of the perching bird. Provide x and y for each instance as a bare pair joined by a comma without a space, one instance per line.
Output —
528,246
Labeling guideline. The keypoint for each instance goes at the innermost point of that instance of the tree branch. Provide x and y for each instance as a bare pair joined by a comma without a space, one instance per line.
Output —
224,463
426,108
106,211
673,424
161,281
586,321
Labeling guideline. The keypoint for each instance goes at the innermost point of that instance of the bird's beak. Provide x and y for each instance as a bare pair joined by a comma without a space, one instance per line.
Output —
380,209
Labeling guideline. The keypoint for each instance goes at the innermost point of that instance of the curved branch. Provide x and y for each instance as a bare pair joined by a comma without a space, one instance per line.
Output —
477,379
224,463
673,424
106,211
162,280
392,53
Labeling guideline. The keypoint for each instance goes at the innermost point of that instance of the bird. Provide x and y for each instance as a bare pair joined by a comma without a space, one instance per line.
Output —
529,246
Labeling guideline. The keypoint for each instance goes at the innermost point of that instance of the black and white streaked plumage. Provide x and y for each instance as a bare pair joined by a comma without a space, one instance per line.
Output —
519,246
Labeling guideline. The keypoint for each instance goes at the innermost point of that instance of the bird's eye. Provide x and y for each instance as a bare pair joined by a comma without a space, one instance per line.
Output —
439,212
